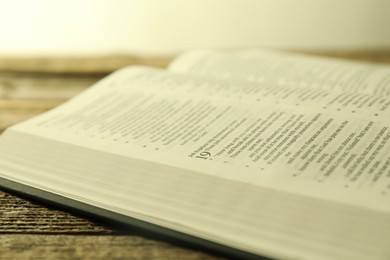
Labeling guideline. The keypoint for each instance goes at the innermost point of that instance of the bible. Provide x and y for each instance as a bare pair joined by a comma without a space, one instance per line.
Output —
254,153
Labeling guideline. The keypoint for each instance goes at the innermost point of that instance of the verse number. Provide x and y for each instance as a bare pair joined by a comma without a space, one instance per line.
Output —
203,155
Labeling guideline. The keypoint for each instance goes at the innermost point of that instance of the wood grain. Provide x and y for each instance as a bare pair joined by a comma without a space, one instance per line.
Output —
21,246
31,230
375,56
102,65
21,86
77,65
22,216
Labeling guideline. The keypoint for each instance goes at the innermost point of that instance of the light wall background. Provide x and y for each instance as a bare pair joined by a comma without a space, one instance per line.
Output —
169,26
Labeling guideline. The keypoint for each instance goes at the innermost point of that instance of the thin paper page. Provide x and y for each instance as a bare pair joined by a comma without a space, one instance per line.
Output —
321,146
286,69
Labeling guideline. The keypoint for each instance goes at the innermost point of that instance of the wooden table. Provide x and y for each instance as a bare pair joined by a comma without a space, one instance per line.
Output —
32,230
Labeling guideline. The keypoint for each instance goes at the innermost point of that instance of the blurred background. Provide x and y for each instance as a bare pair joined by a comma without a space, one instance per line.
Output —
166,27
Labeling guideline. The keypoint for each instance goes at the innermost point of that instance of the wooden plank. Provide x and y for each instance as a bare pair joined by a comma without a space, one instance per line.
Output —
29,230
77,65
21,246
106,64
22,216
376,56
39,86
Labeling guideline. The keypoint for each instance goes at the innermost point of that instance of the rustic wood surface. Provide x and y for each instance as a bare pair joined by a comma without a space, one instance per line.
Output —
76,65
32,230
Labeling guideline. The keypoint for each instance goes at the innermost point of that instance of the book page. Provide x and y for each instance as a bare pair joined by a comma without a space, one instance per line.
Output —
229,161
331,145
287,69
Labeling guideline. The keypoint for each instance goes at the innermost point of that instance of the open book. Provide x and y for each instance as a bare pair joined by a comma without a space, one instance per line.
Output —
258,153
